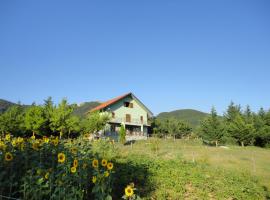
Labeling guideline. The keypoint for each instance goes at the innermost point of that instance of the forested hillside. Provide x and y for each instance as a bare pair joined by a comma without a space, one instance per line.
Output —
4,105
193,117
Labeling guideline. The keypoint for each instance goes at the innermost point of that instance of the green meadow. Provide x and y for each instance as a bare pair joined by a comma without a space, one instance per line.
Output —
186,169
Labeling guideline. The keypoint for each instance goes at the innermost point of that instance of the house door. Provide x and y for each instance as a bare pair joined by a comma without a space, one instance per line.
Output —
128,118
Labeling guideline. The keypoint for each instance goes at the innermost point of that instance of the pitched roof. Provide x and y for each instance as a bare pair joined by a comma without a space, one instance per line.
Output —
114,100
107,103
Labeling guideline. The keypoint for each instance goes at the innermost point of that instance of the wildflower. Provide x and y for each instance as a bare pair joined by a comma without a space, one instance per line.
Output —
104,162
8,156
61,157
33,137
95,163
73,169
7,137
94,179
47,175
110,166
75,163
129,191
106,173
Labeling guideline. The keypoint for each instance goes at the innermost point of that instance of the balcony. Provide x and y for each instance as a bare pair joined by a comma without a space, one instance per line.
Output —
132,121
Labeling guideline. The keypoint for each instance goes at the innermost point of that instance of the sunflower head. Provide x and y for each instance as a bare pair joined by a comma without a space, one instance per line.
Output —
73,169
104,162
7,137
8,157
95,163
110,166
75,163
129,191
61,157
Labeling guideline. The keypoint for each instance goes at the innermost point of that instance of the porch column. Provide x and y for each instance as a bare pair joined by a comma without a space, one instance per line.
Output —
142,129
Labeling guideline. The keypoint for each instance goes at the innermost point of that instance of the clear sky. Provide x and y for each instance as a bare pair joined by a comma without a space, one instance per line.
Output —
170,54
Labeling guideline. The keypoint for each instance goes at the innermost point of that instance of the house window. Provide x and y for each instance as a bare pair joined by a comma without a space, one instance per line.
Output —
128,118
141,119
113,115
128,104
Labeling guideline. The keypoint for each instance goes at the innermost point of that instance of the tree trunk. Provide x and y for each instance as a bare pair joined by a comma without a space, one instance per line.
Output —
242,144
216,143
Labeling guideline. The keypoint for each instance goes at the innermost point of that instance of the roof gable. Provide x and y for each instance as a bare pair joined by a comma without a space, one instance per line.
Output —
114,100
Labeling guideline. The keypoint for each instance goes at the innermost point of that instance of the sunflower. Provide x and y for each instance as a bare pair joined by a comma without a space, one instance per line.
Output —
75,163
55,141
8,156
73,150
106,173
104,162
129,191
110,166
95,163
94,179
35,146
61,157
47,175
46,139
73,169
7,137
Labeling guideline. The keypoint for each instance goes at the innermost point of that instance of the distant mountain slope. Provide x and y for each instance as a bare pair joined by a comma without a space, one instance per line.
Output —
81,109
4,105
191,116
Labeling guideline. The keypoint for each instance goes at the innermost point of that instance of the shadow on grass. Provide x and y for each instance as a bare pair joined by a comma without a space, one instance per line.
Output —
131,172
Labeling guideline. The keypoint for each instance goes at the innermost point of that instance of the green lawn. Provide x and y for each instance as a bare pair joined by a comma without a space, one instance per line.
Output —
186,169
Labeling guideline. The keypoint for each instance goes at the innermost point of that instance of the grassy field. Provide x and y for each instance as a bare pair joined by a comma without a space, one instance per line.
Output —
250,163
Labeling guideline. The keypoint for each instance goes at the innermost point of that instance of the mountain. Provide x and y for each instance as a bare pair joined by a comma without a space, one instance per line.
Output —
4,105
191,116
82,108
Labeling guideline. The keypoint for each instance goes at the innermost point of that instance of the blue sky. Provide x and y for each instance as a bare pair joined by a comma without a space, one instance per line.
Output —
170,54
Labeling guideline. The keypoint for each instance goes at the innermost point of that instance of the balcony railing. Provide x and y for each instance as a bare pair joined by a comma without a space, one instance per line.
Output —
129,121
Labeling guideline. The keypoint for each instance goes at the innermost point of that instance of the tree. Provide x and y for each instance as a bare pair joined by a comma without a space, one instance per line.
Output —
211,128
73,125
232,112
240,130
34,119
95,122
60,117
122,134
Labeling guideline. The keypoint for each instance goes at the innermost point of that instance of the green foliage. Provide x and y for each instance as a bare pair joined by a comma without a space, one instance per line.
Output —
192,117
60,117
11,121
83,108
211,128
122,134
34,119
171,127
4,105
95,122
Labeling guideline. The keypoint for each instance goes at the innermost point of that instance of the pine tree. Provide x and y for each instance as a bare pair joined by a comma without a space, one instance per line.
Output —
211,128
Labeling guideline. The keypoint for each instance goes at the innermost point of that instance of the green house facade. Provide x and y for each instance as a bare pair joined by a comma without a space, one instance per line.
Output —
129,111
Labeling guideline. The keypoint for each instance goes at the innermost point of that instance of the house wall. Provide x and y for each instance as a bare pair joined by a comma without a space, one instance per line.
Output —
136,112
